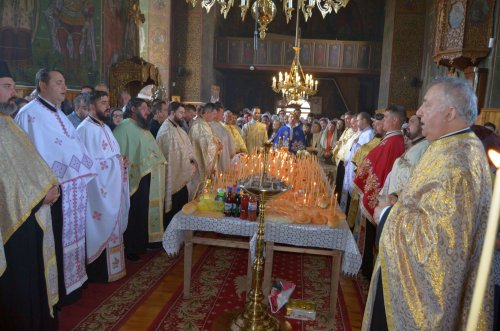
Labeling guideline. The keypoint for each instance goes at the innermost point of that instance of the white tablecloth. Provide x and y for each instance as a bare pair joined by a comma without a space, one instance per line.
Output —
316,236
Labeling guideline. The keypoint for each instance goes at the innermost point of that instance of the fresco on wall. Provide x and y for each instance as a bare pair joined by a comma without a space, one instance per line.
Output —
63,34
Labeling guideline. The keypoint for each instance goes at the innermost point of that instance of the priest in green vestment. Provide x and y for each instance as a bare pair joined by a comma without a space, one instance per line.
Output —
431,239
146,173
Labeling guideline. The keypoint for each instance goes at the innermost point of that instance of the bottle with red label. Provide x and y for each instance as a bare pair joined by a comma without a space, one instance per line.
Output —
244,206
252,209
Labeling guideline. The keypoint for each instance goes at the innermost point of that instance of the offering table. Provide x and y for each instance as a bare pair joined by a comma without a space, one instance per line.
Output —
336,242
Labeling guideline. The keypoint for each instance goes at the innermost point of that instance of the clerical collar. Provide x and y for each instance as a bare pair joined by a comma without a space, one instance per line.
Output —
467,129
96,121
416,141
175,125
46,103
392,133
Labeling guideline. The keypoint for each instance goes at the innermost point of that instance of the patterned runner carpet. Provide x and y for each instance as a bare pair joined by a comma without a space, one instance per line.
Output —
218,285
106,306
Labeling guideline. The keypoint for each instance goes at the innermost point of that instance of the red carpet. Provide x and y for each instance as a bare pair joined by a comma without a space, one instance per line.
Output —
105,306
218,285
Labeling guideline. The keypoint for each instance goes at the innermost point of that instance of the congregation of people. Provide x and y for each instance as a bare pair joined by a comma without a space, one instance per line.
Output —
86,187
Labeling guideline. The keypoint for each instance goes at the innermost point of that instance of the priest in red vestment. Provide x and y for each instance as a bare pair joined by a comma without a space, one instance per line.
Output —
370,178
371,174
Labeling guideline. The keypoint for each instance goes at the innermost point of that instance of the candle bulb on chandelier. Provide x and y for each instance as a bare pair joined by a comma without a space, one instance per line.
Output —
274,82
316,85
243,3
290,3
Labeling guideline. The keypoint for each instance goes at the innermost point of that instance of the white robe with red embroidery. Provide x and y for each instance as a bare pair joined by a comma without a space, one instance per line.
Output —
56,140
109,201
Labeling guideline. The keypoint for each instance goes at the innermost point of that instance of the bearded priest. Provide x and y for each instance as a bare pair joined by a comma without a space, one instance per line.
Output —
109,202
146,175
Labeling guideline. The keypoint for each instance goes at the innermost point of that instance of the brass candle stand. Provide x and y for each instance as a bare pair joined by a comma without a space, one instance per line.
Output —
255,316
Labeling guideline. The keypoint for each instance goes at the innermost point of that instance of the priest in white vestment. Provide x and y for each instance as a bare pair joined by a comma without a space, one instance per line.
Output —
365,133
57,141
109,201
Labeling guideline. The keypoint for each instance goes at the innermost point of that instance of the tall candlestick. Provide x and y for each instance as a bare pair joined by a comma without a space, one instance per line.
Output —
488,248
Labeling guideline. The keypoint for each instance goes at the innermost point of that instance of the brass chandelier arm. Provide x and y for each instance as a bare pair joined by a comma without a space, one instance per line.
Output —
267,9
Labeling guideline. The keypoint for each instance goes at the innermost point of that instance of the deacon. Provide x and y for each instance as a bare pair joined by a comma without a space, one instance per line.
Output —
224,160
206,145
109,202
291,135
146,173
28,272
432,239
58,143
254,132
181,165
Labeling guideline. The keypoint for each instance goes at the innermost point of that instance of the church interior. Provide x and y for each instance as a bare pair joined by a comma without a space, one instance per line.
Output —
363,56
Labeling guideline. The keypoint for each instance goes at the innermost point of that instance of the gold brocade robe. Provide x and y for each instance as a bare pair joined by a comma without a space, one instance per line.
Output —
204,143
178,151
238,141
24,182
227,152
340,149
255,135
431,243
363,151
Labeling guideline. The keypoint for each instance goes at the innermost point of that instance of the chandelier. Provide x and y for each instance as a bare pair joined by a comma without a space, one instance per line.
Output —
264,11
295,85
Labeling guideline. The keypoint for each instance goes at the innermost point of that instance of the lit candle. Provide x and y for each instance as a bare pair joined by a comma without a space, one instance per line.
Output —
243,3
281,77
316,85
274,82
290,3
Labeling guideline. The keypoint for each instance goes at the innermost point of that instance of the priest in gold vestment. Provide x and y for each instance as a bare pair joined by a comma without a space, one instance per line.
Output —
28,270
178,151
239,143
206,145
431,241
254,132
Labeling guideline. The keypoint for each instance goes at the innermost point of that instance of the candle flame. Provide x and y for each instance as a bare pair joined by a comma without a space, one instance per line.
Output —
494,157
